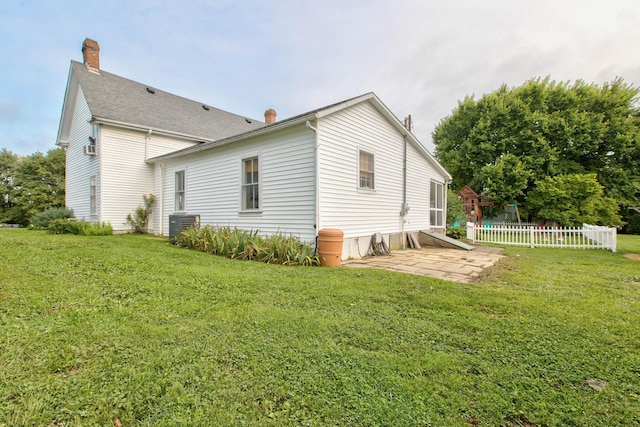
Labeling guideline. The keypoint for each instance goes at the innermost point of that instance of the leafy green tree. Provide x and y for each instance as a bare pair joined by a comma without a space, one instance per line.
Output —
572,200
35,183
506,180
8,164
507,142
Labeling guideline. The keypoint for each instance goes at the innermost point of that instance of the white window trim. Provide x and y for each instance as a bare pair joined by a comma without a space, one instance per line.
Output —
373,172
242,209
93,196
441,186
184,191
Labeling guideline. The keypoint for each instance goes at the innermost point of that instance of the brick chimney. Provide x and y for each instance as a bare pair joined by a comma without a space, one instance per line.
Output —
270,116
91,53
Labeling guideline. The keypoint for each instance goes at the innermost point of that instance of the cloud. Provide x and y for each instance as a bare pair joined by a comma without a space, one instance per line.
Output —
420,57
9,112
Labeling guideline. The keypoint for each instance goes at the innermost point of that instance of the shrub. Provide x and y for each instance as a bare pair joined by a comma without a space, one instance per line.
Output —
632,225
82,228
236,243
43,219
140,219
64,226
455,208
457,232
96,229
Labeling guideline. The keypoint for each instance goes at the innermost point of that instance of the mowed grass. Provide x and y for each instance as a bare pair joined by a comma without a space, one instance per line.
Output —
130,328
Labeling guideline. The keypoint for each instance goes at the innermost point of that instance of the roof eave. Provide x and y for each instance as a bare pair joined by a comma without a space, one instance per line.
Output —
70,93
405,132
255,132
143,128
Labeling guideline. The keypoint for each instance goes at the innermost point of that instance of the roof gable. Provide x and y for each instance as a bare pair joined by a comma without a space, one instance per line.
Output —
468,192
114,99
68,105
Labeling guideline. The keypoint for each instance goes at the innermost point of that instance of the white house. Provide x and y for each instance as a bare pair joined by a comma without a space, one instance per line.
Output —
351,165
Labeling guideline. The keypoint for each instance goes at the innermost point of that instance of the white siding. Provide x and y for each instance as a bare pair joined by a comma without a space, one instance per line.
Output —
419,174
355,211
79,166
213,184
360,213
159,145
126,175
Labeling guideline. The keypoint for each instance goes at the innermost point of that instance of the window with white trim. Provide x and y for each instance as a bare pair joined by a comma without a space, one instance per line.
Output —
93,196
179,185
366,176
436,204
250,184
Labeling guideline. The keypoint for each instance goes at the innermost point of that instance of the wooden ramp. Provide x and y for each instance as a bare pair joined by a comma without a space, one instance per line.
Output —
431,238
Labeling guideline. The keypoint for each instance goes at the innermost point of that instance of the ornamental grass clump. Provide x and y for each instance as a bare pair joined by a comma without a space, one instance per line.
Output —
236,243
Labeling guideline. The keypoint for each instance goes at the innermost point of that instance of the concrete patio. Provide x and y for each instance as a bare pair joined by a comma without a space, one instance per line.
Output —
447,264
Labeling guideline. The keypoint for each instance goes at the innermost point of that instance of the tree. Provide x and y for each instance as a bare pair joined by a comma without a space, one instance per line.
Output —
506,180
31,184
572,200
8,164
507,142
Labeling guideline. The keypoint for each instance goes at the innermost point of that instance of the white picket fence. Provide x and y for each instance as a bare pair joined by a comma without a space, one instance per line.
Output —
585,237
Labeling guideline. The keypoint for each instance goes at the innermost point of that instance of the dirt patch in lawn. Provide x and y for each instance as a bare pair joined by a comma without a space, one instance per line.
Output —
635,257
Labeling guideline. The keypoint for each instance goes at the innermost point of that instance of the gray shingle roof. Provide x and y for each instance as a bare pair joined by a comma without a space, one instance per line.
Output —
118,99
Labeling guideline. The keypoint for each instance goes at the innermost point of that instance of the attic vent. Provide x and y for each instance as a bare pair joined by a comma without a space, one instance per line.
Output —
247,120
151,91
205,107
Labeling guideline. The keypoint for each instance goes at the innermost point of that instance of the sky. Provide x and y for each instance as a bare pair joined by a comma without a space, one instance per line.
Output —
419,56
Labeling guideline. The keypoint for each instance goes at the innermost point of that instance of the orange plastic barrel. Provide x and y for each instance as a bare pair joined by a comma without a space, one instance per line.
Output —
330,247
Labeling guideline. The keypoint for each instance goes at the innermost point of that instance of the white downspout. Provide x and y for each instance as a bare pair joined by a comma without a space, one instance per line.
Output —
146,145
317,171
403,212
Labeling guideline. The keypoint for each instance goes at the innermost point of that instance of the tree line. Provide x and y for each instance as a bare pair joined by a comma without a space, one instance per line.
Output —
30,184
562,152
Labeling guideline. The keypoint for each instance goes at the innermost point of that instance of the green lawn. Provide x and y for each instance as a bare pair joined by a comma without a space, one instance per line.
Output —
94,329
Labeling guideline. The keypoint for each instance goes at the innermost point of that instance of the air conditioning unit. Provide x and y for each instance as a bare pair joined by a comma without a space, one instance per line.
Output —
90,150
179,223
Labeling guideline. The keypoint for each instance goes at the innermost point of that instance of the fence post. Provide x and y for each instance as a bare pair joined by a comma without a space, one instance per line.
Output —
531,237
471,232
614,235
